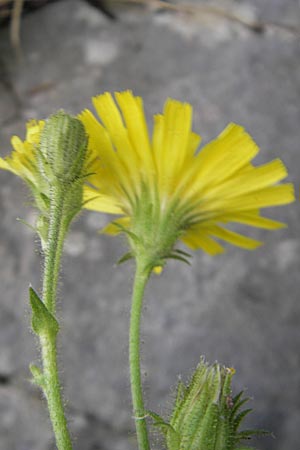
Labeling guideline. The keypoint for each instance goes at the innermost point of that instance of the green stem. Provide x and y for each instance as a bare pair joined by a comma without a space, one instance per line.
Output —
54,248
140,281
53,393
51,384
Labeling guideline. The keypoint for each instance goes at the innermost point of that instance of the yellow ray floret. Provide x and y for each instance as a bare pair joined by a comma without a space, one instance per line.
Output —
165,177
22,161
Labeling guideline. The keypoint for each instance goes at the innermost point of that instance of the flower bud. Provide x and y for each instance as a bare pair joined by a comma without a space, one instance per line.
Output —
63,147
205,415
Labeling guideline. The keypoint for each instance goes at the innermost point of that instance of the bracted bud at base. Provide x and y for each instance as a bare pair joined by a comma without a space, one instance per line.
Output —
205,415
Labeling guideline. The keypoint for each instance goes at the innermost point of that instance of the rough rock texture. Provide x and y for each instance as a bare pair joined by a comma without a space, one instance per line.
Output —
241,308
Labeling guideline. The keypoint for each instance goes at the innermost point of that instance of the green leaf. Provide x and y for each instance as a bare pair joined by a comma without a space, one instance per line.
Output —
173,439
42,320
179,258
248,434
181,252
46,200
125,258
204,435
38,376
23,222
42,228
181,391
240,417
156,417
238,402
166,429
83,204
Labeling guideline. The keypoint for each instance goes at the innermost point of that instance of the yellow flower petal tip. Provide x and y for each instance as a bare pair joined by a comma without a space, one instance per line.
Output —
166,189
22,161
231,370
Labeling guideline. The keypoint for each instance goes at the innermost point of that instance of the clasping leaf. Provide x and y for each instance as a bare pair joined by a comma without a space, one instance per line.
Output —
43,322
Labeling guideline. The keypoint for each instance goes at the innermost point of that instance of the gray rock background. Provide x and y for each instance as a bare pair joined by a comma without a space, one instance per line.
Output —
241,308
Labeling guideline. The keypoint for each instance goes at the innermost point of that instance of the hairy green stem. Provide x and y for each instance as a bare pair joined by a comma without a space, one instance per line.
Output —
140,281
54,248
51,383
53,394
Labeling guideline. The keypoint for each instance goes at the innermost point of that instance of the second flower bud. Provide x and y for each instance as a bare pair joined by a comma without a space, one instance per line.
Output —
63,148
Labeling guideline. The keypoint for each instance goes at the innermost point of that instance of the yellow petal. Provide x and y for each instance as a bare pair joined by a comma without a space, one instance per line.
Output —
34,129
113,229
251,180
5,165
234,238
17,144
157,140
92,199
111,177
175,141
224,156
134,117
193,144
252,219
271,196
198,238
21,161
99,139
112,120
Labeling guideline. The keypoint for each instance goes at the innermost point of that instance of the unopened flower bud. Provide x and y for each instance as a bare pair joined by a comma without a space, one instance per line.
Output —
205,415
63,147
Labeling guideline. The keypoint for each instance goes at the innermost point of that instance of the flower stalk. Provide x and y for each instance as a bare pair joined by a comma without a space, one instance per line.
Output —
61,160
52,386
140,281
54,248
44,322
52,392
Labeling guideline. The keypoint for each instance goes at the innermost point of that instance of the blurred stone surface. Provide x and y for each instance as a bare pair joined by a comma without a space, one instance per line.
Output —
241,308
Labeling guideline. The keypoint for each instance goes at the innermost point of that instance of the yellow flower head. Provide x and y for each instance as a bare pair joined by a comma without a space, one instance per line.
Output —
22,161
165,189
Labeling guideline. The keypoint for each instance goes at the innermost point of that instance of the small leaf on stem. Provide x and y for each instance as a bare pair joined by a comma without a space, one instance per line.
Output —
42,320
